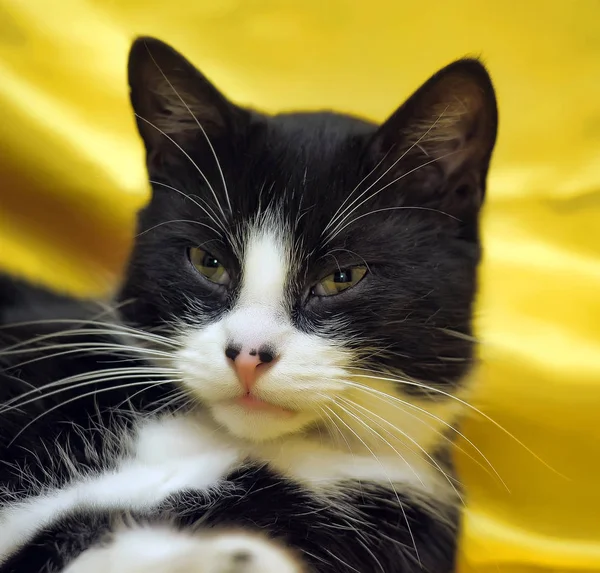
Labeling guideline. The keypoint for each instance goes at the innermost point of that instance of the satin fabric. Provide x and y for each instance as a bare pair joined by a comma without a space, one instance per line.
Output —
72,176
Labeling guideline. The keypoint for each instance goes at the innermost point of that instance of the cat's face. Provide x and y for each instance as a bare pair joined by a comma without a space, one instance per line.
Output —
314,267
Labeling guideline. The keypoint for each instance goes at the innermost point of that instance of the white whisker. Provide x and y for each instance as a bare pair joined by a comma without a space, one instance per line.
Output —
90,346
112,328
191,221
204,206
444,437
351,403
431,460
387,397
88,394
474,409
349,208
342,225
86,376
83,352
190,160
401,505
349,196
88,332
212,149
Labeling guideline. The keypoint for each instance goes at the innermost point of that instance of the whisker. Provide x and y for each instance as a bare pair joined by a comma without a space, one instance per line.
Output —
330,254
351,403
212,149
191,221
86,395
170,399
188,157
431,460
387,397
349,196
88,346
107,309
339,431
341,226
401,208
477,411
137,335
85,332
347,211
118,328
205,206
444,437
95,376
82,351
389,479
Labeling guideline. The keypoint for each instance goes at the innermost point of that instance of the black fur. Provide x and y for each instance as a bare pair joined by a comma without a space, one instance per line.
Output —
78,424
419,238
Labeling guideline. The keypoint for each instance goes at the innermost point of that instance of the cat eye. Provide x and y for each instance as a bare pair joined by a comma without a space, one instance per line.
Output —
208,266
339,281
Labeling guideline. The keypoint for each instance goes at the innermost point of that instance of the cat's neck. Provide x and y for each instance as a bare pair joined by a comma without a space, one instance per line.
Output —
323,456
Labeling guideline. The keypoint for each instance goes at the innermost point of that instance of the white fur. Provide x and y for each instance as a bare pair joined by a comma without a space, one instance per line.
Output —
266,266
163,550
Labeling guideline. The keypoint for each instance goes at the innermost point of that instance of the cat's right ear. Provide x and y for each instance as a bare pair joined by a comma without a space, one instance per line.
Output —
174,104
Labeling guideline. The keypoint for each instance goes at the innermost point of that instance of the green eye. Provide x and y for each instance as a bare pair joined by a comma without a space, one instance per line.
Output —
339,281
208,266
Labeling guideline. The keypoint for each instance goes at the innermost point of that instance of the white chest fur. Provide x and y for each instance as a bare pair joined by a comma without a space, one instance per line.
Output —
171,454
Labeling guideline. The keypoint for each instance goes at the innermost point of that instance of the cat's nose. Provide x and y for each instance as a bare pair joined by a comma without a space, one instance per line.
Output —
249,363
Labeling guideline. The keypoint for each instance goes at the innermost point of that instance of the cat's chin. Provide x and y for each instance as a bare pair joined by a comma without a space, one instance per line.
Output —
259,424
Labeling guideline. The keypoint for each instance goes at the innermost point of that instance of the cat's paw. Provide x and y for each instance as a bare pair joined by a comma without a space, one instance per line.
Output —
166,550
238,552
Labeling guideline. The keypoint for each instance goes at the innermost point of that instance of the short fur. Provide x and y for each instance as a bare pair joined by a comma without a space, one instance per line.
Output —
131,441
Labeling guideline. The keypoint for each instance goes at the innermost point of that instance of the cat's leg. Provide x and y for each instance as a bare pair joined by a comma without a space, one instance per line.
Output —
160,549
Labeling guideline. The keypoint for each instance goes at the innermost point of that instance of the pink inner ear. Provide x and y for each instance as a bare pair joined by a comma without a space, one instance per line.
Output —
451,129
450,121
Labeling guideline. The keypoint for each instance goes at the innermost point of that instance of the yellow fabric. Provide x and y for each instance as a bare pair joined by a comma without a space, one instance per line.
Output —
71,176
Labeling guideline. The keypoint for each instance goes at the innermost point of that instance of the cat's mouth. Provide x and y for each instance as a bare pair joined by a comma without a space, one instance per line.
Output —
250,402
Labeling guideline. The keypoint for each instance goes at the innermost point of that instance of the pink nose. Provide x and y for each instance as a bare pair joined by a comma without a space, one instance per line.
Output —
249,364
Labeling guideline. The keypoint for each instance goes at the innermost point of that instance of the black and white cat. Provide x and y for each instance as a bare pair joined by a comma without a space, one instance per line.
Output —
276,385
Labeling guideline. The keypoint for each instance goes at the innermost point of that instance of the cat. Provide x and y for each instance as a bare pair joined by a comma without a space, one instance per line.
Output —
276,384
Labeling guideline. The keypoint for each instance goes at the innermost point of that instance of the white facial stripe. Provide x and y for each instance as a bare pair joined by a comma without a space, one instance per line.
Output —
265,269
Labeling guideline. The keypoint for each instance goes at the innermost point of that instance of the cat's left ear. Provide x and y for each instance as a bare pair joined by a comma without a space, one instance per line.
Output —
173,102
444,134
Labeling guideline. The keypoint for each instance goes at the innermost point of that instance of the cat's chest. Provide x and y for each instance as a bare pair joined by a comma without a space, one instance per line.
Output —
320,466
173,454
196,454
177,453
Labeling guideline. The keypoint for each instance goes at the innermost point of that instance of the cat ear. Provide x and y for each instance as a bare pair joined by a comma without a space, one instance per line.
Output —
445,133
173,102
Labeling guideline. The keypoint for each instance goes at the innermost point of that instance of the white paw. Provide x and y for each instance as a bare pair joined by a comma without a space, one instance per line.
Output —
165,550
245,553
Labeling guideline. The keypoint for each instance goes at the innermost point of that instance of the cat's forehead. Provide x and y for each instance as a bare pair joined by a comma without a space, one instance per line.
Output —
301,163
304,150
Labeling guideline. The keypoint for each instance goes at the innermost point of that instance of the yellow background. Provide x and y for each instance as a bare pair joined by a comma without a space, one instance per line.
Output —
71,176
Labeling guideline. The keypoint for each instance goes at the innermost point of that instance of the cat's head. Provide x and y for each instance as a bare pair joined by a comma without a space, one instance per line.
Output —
313,266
